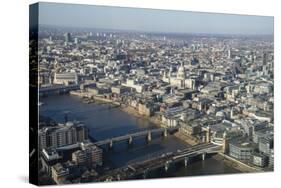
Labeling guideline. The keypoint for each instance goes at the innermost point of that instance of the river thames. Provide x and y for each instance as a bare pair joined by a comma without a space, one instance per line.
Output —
104,122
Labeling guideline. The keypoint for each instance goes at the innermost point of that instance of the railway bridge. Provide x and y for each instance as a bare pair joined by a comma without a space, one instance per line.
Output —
161,161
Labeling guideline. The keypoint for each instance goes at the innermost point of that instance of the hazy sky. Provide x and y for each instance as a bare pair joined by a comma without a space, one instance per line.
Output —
152,20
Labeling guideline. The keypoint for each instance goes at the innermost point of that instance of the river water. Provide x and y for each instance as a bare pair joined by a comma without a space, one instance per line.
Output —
105,122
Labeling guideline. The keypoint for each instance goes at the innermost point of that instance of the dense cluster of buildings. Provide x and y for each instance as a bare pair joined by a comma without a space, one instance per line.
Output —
61,135
220,83
66,153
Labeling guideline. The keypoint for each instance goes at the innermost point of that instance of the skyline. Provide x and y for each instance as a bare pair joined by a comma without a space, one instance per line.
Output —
152,20
124,103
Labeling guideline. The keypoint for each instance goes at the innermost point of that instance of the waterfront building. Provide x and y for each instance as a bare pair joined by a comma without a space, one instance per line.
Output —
146,109
131,83
266,132
61,172
89,155
170,120
57,89
48,159
62,135
119,90
82,133
190,128
265,145
172,116
259,159
271,159
66,78
99,90
241,150
257,128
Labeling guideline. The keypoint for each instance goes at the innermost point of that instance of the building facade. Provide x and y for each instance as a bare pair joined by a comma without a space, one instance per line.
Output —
88,155
241,151
62,135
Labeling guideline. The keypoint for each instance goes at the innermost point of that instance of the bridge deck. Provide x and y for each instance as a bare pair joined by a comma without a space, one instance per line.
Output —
137,134
160,161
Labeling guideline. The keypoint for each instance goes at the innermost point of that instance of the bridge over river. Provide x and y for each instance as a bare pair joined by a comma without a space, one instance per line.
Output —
129,137
161,161
148,134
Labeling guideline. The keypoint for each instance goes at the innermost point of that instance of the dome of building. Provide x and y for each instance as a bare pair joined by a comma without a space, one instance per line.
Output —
220,114
181,72
69,123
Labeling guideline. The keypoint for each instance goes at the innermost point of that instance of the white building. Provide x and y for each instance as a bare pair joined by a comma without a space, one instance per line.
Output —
133,84
66,78
180,80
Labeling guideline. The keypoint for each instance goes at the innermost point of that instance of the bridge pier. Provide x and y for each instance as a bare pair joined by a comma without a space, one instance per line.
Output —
165,133
186,160
208,135
148,136
203,139
224,143
110,145
118,177
203,156
167,166
130,141
144,174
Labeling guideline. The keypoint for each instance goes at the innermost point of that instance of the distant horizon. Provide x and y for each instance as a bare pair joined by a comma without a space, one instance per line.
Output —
149,32
152,20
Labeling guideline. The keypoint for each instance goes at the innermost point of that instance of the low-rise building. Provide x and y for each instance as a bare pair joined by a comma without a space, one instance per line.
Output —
119,90
172,116
190,128
146,109
266,132
62,135
89,155
98,90
48,159
66,78
241,149
60,173
259,159
131,83
271,159
265,145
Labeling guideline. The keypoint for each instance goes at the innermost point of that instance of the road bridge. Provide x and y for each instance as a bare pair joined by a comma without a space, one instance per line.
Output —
57,89
129,137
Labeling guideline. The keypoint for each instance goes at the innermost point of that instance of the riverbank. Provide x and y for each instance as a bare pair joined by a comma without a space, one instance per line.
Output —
132,111
153,119
104,122
157,121
93,99
238,165
229,161
189,140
